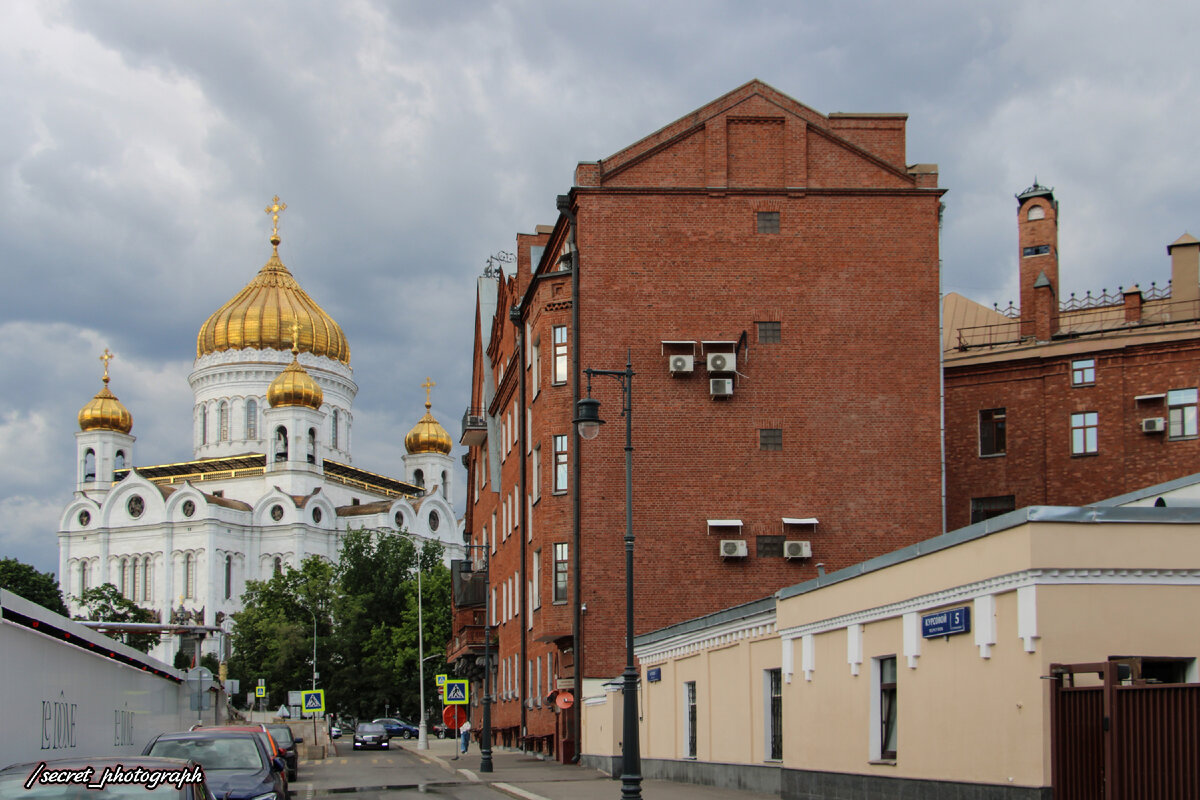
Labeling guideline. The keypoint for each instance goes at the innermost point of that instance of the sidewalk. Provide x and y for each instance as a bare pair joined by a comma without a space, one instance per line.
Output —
528,777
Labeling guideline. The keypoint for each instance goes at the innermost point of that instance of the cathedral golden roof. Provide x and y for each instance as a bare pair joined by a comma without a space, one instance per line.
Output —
428,436
294,386
104,412
261,315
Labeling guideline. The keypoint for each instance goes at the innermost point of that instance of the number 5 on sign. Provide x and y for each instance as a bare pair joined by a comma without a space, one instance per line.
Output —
456,693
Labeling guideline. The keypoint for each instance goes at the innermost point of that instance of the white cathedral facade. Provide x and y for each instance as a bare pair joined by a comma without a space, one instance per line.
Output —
271,480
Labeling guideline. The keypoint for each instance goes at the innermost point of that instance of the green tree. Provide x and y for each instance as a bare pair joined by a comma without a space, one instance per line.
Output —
273,633
105,603
37,587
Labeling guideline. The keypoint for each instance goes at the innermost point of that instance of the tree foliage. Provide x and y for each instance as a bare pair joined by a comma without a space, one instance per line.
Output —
105,603
36,587
367,630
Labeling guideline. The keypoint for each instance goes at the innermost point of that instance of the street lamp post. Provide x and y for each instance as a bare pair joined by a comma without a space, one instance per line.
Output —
588,424
485,731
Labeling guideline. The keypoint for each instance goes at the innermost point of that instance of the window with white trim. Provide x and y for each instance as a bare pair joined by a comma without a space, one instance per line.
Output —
560,572
1083,372
536,596
883,709
1085,433
560,463
1181,414
560,354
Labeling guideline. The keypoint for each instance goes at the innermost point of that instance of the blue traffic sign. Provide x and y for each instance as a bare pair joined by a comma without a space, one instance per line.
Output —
456,692
946,623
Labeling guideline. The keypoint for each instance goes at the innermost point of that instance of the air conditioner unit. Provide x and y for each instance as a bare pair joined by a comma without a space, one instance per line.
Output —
733,548
1154,425
720,387
722,362
797,549
682,363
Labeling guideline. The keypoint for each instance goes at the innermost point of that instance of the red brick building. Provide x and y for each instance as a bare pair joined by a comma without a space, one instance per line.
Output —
1069,402
772,273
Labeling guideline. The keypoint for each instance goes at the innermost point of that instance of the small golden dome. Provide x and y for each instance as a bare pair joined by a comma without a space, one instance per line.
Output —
260,316
104,412
294,387
428,436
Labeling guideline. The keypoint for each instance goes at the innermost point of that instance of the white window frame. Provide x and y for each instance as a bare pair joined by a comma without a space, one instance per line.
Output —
1181,413
561,352
562,475
1085,433
1083,372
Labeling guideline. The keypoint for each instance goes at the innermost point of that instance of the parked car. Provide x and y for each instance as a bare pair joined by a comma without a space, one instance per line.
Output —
335,732
12,780
398,728
288,741
259,729
438,730
371,734
237,764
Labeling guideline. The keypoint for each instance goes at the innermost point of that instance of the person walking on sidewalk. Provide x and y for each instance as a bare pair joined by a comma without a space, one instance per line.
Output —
465,733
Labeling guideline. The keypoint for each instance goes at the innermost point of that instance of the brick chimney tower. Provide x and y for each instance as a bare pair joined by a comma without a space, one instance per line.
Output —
1037,236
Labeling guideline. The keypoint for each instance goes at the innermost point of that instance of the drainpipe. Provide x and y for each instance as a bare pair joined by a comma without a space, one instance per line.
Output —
564,208
514,316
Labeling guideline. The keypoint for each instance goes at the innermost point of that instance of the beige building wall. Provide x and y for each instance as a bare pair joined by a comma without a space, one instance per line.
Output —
973,707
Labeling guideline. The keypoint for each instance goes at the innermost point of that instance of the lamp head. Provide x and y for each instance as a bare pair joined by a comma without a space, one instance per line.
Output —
588,421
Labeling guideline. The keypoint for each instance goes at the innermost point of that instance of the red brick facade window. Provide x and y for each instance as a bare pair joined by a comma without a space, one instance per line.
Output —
770,438
1083,372
768,222
987,507
993,438
769,332
1181,410
1085,433
560,354
560,464
560,572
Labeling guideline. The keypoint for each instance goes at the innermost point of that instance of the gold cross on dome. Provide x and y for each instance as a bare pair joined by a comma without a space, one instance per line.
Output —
274,209
106,358
428,386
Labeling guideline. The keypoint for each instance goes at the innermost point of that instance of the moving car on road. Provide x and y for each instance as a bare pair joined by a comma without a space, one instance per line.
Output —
287,741
371,734
237,764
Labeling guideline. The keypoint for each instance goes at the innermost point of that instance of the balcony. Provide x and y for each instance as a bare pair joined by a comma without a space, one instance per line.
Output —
468,642
474,428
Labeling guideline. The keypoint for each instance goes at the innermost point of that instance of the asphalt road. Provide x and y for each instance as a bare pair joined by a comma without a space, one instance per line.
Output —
382,775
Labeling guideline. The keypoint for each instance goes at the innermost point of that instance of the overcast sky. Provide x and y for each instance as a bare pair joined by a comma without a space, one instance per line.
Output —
140,142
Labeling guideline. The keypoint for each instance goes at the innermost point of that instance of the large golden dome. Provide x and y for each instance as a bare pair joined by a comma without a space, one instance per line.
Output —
260,316
104,412
428,436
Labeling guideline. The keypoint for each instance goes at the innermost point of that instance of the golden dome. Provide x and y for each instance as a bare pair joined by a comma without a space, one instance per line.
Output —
260,316
104,412
428,436
294,387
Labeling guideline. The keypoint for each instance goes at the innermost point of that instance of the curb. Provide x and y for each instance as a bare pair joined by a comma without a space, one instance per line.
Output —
516,791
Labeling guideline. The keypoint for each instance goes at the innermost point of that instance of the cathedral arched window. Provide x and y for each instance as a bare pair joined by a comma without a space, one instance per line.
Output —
203,413
147,575
133,580
124,572
312,445
189,575
278,565
89,465
228,577
445,480
119,461
419,478
223,420
251,419
333,429
281,444
83,576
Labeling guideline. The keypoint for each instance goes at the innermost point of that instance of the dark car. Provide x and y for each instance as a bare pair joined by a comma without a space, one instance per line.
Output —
260,729
191,787
371,734
398,728
287,741
237,764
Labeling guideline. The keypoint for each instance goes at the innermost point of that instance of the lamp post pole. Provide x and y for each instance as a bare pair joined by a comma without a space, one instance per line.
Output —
588,424
485,734
422,733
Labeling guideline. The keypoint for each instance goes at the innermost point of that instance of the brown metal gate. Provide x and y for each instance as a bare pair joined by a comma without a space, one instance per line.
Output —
1139,741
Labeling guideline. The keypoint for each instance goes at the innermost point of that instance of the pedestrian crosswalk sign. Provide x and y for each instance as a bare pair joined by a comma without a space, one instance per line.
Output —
260,691
313,701
440,680
456,693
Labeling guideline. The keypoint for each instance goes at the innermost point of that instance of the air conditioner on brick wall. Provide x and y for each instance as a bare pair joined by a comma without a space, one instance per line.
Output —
797,549
720,387
733,548
722,362
1154,425
682,363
